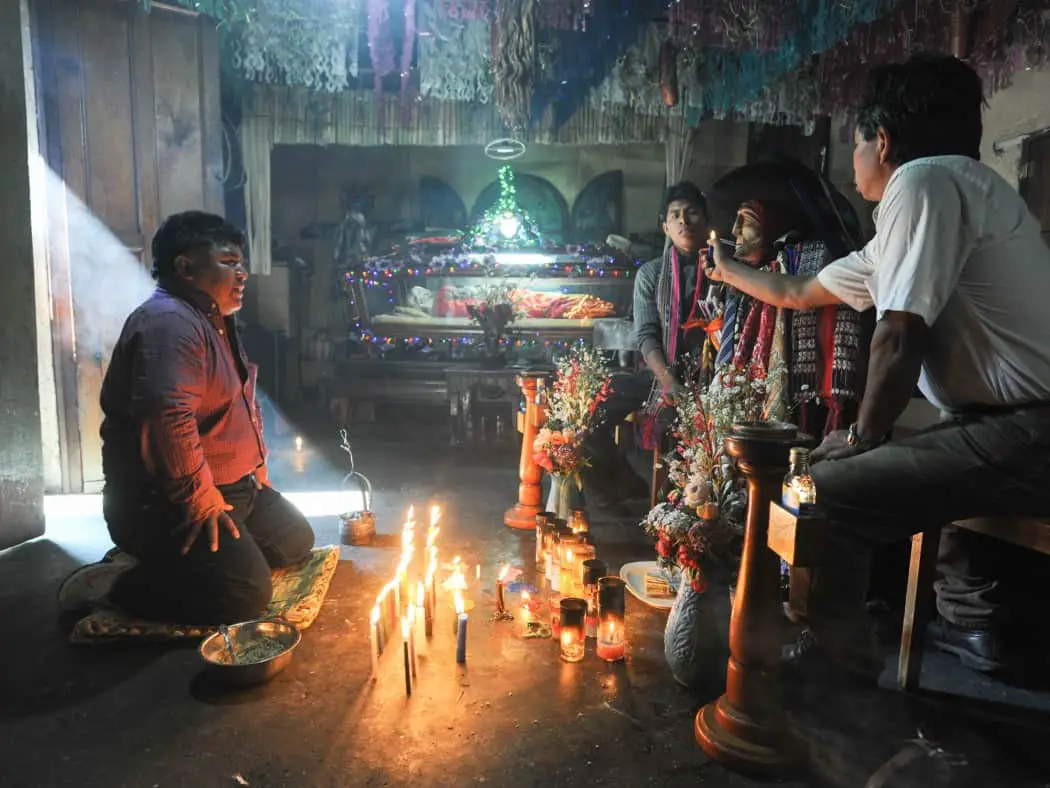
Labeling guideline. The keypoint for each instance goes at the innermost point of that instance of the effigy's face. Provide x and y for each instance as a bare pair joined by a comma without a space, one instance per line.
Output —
747,232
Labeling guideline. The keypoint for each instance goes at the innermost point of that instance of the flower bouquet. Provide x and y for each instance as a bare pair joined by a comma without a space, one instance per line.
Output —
493,311
574,408
703,518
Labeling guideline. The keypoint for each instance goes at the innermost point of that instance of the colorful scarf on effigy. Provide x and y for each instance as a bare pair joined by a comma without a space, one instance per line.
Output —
824,346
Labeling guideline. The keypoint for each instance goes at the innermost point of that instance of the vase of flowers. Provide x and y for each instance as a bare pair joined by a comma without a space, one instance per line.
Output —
574,408
699,529
492,312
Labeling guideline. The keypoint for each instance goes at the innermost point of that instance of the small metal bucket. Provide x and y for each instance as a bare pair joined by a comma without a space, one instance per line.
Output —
358,528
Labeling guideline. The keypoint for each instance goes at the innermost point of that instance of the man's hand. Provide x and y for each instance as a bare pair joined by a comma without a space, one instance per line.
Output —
211,522
262,477
836,447
673,387
716,260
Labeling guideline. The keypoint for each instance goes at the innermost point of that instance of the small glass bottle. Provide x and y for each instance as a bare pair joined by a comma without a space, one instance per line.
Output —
798,489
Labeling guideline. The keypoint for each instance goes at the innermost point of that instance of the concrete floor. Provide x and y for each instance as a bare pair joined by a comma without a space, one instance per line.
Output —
514,716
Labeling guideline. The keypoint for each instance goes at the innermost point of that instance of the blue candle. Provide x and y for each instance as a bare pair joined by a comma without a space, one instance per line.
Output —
461,640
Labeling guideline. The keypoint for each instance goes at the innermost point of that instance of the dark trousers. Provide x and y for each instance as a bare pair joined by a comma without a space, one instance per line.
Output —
232,584
981,466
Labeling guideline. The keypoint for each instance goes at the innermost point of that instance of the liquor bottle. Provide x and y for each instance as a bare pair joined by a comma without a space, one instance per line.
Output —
799,488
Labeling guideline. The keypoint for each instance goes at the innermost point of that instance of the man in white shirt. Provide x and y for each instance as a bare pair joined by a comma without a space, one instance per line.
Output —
959,277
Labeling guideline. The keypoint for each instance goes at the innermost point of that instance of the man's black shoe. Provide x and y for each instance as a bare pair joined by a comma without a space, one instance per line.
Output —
977,648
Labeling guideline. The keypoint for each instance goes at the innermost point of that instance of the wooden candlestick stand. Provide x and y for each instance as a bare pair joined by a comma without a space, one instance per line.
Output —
530,491
746,729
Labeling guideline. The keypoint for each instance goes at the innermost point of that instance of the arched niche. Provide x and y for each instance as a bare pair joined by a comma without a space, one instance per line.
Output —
441,207
598,210
540,199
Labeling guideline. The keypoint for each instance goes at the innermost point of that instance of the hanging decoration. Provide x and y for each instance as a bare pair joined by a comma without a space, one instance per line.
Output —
408,43
276,42
514,60
669,74
506,225
455,53
380,46
505,149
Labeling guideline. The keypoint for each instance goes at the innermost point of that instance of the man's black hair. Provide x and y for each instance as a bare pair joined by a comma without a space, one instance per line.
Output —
930,105
683,190
185,232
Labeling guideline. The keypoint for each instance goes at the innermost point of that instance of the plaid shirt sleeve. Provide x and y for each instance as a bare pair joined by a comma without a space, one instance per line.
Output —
647,328
168,387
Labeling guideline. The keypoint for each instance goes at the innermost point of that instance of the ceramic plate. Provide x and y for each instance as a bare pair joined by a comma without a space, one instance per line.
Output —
634,575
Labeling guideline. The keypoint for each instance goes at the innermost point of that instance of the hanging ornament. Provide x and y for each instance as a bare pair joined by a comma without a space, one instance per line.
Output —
514,60
669,73
506,149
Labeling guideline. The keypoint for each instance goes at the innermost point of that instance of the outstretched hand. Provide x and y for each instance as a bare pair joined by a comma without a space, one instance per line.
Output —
210,523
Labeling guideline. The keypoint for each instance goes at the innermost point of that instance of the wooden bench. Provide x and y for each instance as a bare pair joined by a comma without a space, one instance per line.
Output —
919,605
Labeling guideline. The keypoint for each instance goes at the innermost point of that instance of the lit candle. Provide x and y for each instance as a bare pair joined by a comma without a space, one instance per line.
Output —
435,515
408,662
373,638
298,443
611,644
565,573
412,637
421,629
571,636
477,572
501,605
529,624
461,631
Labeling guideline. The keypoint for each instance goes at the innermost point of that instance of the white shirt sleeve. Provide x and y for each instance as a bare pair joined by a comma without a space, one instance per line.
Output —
921,243
847,279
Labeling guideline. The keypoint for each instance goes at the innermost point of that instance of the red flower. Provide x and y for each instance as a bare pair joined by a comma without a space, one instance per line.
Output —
663,547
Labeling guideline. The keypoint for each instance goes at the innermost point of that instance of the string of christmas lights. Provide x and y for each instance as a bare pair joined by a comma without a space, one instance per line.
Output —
509,342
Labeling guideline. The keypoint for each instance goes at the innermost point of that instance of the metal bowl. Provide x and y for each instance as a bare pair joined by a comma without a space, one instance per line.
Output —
213,647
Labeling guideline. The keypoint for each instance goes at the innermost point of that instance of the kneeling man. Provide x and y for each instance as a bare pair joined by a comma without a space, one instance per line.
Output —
186,491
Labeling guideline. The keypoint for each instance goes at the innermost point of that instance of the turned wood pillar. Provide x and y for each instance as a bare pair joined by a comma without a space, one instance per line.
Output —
745,729
530,490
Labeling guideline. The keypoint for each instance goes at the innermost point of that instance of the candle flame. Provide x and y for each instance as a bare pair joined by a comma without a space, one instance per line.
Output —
411,613
411,514
298,443
420,594
477,572
525,596
373,618
459,602
404,627
503,572
568,637
612,628
435,515
568,555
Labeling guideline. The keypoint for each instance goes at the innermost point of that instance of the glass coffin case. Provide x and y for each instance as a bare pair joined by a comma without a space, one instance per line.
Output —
529,302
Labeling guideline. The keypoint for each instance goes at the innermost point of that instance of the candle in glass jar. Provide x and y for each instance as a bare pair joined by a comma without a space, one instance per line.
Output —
565,574
611,641
581,553
529,606
571,636
611,618
593,571
543,521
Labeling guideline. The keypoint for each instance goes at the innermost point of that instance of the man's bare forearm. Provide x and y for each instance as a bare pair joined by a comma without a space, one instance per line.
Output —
769,287
897,349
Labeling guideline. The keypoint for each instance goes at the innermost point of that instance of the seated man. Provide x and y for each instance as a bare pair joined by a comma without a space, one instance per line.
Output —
186,490
957,272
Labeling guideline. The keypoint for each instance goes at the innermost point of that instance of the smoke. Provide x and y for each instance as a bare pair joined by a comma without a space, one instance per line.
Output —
107,278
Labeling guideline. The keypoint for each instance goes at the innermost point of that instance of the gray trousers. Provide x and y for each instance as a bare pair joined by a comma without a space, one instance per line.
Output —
975,466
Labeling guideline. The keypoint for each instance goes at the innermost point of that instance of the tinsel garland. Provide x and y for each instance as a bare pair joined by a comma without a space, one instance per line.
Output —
408,43
514,60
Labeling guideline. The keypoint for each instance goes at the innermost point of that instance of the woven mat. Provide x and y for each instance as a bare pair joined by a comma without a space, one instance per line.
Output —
298,592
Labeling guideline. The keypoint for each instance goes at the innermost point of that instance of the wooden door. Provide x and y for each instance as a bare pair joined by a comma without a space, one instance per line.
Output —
131,119
1035,179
